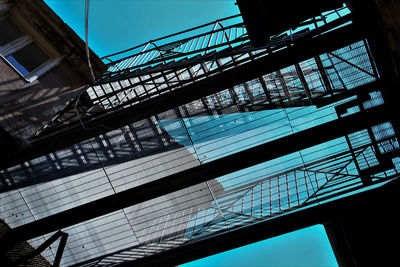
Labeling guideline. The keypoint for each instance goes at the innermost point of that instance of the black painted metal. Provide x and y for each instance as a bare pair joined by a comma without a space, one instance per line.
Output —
385,196
60,249
55,139
62,137
264,19
214,169
43,246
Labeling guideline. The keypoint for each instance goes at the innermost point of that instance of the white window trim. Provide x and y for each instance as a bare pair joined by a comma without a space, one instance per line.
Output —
39,71
42,69
21,42
15,45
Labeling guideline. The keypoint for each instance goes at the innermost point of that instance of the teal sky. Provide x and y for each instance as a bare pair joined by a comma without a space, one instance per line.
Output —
303,248
115,25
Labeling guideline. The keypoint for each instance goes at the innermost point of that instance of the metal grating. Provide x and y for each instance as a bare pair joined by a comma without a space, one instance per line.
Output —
305,95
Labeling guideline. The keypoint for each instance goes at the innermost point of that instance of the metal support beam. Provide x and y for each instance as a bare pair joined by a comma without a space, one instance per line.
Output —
385,196
202,173
324,75
351,64
283,84
366,88
303,82
43,246
265,89
60,250
74,133
375,18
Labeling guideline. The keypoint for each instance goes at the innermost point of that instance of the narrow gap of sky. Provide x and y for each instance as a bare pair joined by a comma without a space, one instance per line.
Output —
115,25
307,247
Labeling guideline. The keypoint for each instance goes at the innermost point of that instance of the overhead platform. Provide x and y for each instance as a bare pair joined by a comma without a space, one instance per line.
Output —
177,152
298,72
264,18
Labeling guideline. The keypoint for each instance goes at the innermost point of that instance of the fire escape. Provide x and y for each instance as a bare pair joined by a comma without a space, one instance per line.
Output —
279,124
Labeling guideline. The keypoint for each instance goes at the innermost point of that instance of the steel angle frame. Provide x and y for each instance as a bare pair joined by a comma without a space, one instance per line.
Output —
62,137
277,148
383,196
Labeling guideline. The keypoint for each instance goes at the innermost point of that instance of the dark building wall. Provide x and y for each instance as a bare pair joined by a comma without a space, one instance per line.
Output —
18,251
366,234
390,10
9,79
59,35
27,104
25,107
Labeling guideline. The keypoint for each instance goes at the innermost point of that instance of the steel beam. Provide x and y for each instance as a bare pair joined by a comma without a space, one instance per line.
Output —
385,196
303,82
324,75
201,173
75,132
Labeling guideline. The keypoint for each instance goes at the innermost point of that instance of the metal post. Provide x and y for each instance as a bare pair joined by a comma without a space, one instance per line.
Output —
303,82
324,75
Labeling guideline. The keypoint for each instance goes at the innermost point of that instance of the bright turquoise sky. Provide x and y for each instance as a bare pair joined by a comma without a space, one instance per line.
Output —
307,247
116,25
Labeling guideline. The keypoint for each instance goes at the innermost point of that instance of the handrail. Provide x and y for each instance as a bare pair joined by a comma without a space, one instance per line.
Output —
171,35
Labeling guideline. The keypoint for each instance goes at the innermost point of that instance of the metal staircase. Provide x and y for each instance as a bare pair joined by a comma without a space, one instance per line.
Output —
165,65
321,137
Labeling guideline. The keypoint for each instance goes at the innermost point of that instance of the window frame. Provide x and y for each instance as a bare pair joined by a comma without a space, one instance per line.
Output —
23,41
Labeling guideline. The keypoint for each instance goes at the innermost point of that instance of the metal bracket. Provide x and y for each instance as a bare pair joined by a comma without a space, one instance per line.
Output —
46,244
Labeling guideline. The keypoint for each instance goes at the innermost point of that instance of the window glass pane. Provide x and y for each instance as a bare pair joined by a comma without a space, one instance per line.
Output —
29,57
18,66
9,31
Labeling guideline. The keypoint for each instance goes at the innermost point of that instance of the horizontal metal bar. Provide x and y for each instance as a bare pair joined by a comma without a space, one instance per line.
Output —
75,133
383,198
171,35
112,76
363,89
314,33
202,173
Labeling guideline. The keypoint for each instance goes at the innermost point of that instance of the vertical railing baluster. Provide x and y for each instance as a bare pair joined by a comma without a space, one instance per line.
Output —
204,39
252,201
287,189
279,194
216,38
305,181
197,42
242,204
195,222
270,198
191,45
261,198
209,41
297,188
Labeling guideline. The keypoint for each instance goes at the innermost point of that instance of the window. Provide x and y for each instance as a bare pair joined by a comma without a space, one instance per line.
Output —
9,31
28,58
21,51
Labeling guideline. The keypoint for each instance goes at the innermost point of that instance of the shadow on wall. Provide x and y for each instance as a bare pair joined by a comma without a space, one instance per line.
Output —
134,141
25,107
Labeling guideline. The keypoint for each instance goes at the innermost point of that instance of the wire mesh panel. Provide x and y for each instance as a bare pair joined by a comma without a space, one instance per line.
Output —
169,143
288,101
291,85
